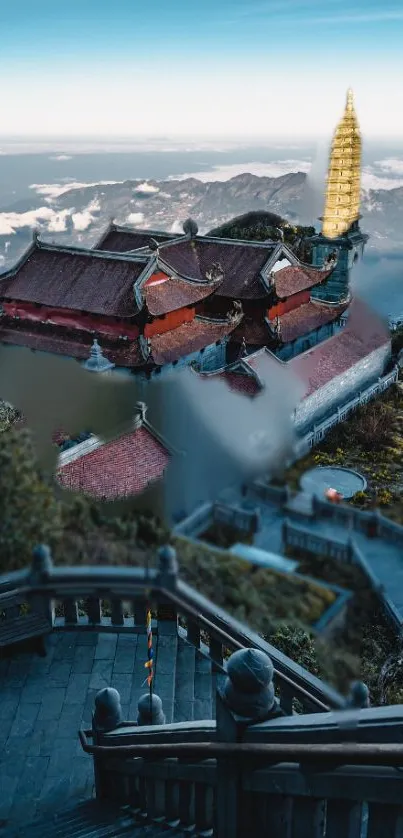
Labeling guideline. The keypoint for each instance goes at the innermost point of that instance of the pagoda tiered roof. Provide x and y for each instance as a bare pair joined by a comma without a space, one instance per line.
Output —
74,278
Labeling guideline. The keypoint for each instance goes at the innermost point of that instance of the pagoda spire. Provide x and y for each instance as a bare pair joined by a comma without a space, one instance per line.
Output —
342,203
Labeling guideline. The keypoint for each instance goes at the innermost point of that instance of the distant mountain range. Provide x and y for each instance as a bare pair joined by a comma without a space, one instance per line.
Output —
78,215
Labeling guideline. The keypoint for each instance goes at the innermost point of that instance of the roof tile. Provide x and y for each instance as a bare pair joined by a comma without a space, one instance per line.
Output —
117,469
363,333
188,338
295,278
241,263
306,318
79,281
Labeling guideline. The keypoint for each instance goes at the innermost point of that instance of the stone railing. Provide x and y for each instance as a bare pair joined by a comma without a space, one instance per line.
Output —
106,599
372,523
295,535
254,771
319,430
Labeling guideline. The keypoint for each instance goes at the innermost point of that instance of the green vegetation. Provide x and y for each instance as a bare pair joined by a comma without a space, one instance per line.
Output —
260,226
371,442
258,596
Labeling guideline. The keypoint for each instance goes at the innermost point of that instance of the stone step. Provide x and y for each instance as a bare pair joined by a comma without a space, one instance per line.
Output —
204,688
165,672
184,682
91,819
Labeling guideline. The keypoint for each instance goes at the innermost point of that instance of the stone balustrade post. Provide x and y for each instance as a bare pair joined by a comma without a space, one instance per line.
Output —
246,697
150,710
359,696
41,571
107,716
167,579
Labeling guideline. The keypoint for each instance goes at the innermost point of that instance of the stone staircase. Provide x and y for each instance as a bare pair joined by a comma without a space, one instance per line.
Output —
93,820
183,680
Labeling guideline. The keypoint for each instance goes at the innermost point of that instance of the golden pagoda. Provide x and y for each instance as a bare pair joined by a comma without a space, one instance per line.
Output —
342,204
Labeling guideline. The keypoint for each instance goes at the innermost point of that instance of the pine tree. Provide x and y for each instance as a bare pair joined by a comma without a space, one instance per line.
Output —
29,511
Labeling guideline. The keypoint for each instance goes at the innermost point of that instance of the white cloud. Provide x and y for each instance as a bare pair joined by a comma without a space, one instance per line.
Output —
57,224
273,169
394,165
61,157
54,190
177,226
135,218
371,180
82,220
146,188
12,221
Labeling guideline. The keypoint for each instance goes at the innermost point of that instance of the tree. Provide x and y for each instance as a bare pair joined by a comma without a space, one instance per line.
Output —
297,644
29,512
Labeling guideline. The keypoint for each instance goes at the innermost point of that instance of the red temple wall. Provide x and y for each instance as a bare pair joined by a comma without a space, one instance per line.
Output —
290,304
160,325
157,277
70,319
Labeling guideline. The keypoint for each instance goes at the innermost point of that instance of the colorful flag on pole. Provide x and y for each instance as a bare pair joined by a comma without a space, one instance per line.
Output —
149,663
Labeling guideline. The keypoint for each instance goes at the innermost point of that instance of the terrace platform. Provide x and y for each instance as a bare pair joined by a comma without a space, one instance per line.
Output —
45,701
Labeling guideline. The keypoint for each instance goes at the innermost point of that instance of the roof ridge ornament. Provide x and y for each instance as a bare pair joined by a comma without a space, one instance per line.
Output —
215,273
190,228
97,361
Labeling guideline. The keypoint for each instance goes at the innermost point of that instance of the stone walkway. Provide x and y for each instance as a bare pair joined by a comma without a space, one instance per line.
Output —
45,701
384,558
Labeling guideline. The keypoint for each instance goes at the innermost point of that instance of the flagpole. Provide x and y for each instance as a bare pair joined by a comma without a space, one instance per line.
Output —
150,659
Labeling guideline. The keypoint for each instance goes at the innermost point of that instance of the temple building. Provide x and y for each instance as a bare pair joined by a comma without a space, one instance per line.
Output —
157,301
116,469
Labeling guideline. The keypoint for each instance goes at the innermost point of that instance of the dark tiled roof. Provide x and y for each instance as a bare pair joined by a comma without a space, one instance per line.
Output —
121,353
242,383
172,294
306,318
241,264
296,278
255,332
79,281
122,241
188,338
117,469
363,333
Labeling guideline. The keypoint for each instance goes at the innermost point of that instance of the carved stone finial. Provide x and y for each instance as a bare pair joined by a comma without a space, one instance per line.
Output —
108,710
243,350
97,361
150,711
168,562
215,273
139,415
359,696
249,688
190,228
42,563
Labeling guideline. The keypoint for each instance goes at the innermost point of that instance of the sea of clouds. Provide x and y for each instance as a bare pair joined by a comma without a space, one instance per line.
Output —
382,174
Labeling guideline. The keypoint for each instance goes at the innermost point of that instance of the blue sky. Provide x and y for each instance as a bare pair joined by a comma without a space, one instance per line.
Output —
225,67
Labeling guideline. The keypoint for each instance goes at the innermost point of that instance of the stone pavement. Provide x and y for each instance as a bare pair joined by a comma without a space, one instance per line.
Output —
45,701
384,558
